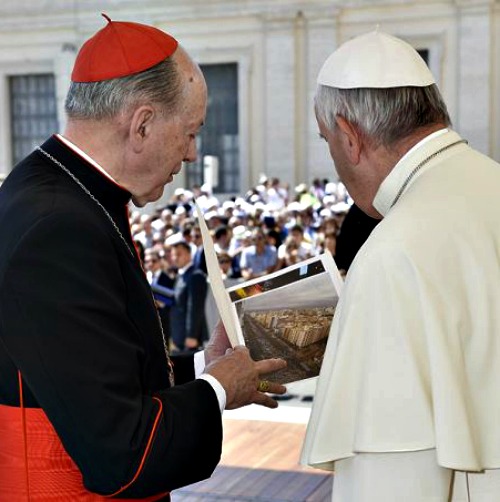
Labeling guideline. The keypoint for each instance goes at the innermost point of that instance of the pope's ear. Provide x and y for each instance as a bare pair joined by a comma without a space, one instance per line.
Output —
141,126
351,138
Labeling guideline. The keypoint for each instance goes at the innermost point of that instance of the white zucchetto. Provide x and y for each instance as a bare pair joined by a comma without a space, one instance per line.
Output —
375,60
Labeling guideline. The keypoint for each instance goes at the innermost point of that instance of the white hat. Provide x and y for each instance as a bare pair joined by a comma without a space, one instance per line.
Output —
340,207
211,214
329,199
330,187
228,204
295,206
239,231
206,188
158,224
375,60
174,239
188,194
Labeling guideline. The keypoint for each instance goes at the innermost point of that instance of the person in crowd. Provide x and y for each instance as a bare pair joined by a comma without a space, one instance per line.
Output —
152,264
327,226
187,317
187,233
309,223
179,217
205,198
199,260
273,236
162,286
166,218
318,189
145,236
167,264
258,259
328,242
222,239
196,238
140,250
276,197
291,253
304,196
240,239
300,250
406,406
330,225
225,264
88,405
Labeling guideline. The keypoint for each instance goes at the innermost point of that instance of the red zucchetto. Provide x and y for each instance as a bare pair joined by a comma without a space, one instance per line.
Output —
121,49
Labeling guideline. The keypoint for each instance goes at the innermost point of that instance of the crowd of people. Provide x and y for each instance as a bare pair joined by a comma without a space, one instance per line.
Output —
269,228
286,225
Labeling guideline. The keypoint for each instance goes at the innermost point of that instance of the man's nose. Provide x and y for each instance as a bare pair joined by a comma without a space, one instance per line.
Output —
192,152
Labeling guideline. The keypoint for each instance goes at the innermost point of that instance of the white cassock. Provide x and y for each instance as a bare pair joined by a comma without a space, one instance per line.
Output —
413,359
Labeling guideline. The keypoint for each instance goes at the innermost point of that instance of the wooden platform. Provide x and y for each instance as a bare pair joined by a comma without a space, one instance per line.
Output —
260,463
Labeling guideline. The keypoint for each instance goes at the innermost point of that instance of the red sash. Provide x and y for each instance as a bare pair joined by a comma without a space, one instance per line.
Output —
34,466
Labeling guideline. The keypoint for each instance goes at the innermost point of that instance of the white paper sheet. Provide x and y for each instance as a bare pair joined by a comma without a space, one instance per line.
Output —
221,296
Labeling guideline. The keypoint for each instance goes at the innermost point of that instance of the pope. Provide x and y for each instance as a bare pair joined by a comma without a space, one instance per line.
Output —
407,401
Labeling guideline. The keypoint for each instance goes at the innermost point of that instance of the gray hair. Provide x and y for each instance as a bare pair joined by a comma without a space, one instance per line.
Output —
106,99
384,116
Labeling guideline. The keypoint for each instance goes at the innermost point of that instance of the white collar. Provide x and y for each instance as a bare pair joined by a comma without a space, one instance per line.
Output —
393,182
87,157
183,269
423,141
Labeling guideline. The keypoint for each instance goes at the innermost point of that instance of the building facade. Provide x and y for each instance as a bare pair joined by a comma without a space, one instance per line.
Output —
299,327
260,59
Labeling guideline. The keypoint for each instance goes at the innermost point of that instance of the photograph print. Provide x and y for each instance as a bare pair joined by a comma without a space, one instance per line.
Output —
288,314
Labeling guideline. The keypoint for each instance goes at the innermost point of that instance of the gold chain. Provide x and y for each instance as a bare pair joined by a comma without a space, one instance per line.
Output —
115,226
422,164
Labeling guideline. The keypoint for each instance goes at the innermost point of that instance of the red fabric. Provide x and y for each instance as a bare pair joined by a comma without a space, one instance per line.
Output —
51,474
120,49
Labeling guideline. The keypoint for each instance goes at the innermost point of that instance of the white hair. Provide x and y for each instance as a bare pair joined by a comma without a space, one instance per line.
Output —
384,116
106,99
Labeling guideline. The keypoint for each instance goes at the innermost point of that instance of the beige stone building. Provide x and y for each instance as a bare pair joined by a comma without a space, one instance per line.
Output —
261,59
300,327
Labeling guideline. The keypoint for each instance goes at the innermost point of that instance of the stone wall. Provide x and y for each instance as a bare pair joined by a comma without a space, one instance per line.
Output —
279,46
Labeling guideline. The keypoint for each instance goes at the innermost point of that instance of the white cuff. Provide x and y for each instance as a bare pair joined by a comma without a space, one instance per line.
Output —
218,389
199,363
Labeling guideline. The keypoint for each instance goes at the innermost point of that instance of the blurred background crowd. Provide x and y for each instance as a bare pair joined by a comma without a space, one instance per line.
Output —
271,227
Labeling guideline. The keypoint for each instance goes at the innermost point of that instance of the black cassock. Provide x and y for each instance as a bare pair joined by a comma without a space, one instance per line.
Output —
77,319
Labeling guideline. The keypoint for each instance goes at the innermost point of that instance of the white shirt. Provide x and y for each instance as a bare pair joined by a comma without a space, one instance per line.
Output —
89,159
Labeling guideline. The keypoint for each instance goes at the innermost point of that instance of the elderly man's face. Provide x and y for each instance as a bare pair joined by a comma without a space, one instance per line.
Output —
351,175
357,171
332,137
173,138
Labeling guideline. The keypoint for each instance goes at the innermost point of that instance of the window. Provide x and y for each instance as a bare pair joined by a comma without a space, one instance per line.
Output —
219,136
424,54
33,115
